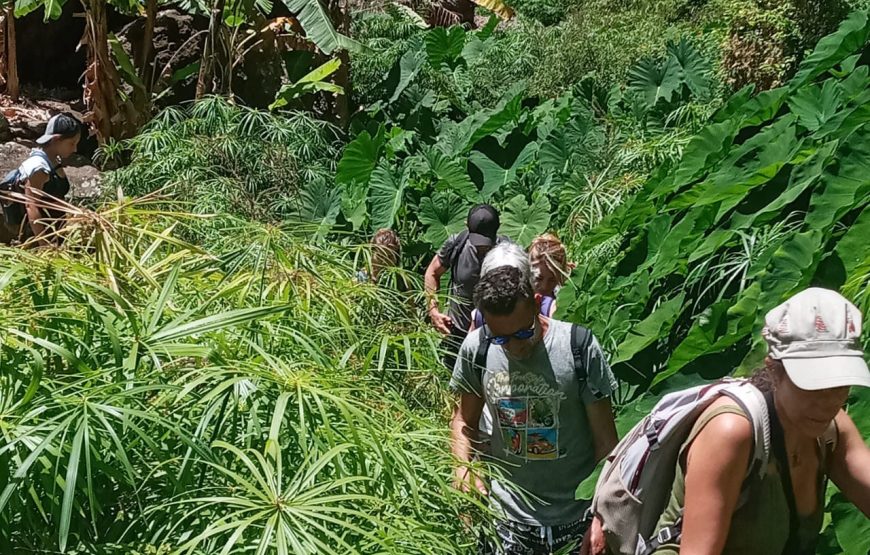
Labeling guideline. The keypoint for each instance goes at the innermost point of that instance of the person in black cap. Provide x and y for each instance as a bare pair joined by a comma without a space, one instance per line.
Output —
41,179
462,254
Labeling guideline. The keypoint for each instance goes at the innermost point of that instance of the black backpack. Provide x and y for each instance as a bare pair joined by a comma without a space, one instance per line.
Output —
13,211
581,337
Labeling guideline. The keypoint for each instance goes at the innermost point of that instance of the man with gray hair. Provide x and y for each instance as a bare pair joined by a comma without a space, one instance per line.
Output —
547,387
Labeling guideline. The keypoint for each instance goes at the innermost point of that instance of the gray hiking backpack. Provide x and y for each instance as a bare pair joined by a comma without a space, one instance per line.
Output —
635,485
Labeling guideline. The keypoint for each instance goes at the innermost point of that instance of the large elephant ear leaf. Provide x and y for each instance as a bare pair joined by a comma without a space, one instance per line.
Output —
451,175
359,158
443,214
386,191
319,204
851,36
695,71
654,81
444,46
523,222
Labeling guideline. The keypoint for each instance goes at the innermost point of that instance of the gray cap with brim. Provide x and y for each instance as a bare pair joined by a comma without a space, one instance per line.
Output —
816,335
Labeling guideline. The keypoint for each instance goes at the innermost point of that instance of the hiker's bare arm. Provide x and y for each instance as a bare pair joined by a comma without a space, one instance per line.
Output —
715,468
600,415
432,282
36,181
464,430
850,465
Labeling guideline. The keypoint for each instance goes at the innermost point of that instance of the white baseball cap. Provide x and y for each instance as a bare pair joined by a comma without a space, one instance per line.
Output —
816,334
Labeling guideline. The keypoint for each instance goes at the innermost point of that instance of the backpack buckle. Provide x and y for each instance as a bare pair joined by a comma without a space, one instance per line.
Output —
665,535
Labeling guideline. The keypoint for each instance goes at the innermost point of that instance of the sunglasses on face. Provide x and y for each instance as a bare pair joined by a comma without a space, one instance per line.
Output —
522,335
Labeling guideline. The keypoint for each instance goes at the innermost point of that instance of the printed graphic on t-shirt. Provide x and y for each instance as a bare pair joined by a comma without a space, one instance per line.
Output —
527,412
529,426
512,412
542,443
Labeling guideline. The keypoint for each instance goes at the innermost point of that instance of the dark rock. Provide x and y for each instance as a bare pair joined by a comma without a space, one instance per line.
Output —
11,156
175,48
5,131
85,182
258,78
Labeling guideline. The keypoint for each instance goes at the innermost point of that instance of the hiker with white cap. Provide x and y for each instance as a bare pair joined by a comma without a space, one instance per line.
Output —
40,178
750,476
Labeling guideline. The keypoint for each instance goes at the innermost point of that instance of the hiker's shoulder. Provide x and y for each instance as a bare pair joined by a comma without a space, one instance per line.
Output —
34,163
726,421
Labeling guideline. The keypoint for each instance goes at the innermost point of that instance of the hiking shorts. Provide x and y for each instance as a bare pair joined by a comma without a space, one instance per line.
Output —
514,538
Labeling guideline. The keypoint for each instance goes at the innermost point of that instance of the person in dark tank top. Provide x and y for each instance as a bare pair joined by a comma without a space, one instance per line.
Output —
43,181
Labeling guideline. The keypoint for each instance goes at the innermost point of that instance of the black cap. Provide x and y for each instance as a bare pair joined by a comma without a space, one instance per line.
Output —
60,125
482,225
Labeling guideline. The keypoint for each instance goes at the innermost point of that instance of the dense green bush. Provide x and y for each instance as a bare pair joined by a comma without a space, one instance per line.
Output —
222,158
158,398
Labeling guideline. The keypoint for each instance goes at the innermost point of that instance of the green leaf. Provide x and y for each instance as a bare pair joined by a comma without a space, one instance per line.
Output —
444,46
353,204
72,474
482,123
312,82
215,322
444,214
852,247
495,177
851,36
718,327
320,204
843,186
360,158
523,222
403,73
386,192
694,70
790,267
125,63
450,174
655,81
814,105
654,327
318,27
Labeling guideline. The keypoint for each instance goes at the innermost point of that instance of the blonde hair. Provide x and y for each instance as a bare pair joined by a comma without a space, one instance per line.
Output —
551,249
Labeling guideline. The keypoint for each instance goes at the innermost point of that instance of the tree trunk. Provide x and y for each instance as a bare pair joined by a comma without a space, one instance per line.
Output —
205,83
146,63
109,116
11,55
339,13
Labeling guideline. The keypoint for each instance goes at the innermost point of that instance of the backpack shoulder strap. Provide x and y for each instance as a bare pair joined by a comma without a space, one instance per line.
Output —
753,403
482,351
458,247
581,337
546,303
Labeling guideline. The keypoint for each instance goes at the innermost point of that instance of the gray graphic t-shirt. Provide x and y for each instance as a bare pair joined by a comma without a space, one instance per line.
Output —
541,438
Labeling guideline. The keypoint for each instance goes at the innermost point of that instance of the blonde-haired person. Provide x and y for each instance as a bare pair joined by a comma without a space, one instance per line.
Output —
814,356
550,270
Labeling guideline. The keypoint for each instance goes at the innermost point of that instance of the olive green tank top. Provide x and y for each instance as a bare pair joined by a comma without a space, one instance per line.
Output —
761,525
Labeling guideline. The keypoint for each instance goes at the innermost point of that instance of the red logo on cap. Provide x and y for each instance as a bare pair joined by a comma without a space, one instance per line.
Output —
820,324
851,324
